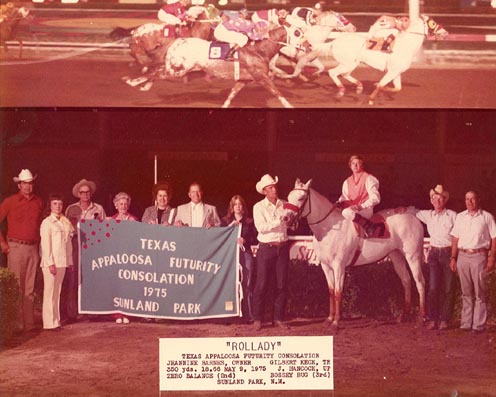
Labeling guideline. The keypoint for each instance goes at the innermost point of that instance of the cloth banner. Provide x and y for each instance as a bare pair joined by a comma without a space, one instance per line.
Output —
155,271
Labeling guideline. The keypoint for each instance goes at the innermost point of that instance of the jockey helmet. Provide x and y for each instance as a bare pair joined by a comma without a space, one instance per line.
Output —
172,1
222,2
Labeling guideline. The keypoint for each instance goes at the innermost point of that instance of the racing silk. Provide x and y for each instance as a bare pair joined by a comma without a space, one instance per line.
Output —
269,16
364,192
301,17
383,27
172,14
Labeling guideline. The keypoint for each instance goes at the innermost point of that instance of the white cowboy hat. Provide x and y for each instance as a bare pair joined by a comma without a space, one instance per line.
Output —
439,190
83,182
24,176
265,181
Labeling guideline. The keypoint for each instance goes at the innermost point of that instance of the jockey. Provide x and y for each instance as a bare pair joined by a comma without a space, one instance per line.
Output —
385,30
272,17
173,12
236,29
360,194
7,11
302,17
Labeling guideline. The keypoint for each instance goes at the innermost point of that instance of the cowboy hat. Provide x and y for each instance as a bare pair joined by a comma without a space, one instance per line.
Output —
24,176
439,190
83,182
265,181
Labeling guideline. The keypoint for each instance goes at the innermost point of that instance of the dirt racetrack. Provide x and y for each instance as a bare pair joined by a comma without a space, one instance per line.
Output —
371,358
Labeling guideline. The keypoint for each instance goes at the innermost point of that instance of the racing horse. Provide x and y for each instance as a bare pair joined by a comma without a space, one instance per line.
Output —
326,23
351,49
191,54
149,42
8,26
338,245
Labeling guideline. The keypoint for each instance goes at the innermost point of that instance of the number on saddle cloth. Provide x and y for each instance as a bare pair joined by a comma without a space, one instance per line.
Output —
218,50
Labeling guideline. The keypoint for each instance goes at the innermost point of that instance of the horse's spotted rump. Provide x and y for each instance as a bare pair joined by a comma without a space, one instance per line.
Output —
148,28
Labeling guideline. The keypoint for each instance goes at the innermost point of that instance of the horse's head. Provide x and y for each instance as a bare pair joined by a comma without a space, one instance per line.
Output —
297,198
432,28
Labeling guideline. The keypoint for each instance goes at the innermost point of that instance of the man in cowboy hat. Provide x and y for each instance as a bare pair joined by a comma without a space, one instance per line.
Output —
272,254
439,222
23,212
85,208
474,236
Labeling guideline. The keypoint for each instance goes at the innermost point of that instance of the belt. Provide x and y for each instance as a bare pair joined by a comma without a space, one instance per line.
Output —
440,248
275,243
472,250
23,242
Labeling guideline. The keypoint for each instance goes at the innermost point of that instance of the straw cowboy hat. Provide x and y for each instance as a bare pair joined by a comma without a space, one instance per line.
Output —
24,176
83,182
265,181
439,190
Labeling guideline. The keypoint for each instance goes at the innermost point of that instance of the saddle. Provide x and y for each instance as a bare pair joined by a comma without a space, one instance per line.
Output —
382,232
218,50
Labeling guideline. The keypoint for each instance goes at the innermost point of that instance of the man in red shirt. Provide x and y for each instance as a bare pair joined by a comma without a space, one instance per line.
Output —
23,213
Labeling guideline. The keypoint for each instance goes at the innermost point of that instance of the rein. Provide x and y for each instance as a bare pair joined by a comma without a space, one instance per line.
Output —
300,210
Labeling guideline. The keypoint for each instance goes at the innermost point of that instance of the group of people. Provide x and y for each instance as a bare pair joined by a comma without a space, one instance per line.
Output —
463,243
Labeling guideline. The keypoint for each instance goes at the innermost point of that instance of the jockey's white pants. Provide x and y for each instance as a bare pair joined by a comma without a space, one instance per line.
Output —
167,18
348,213
230,36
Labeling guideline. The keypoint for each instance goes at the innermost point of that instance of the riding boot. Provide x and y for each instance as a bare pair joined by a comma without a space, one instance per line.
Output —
230,53
370,228
386,45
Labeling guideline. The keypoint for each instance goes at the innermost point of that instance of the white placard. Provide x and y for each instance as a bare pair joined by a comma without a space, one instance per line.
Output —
255,363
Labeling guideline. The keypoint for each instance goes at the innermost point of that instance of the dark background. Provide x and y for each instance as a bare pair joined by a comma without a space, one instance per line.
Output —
410,151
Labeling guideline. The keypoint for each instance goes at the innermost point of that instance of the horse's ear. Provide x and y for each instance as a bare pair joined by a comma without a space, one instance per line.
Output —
308,184
297,182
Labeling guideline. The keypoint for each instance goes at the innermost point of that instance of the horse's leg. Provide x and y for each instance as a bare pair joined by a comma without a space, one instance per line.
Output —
401,269
415,262
396,85
334,74
319,65
270,86
303,61
356,82
234,91
339,273
329,275
388,77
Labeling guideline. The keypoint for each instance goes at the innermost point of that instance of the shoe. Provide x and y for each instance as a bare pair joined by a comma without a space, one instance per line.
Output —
125,320
281,324
443,326
118,320
478,331
431,325
257,325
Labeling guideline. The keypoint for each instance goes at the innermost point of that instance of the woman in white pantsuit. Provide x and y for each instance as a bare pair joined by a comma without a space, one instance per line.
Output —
56,254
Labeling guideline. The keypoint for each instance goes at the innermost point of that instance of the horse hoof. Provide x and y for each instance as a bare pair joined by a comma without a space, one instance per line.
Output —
146,86
371,102
340,93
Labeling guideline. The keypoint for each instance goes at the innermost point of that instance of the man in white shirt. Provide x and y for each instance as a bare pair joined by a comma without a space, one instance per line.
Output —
440,222
196,213
272,254
474,235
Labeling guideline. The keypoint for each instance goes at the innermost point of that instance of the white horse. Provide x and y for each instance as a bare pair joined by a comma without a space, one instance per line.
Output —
350,50
326,23
192,54
338,245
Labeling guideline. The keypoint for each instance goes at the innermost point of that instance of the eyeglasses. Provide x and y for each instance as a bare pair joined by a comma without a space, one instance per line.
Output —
85,192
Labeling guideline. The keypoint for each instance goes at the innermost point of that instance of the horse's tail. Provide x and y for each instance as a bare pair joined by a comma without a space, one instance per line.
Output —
120,33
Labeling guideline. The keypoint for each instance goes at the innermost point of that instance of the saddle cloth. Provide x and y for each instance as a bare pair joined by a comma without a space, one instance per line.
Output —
376,218
171,31
218,50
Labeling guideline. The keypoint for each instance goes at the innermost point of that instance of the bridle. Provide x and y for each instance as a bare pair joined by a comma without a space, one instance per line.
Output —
299,211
